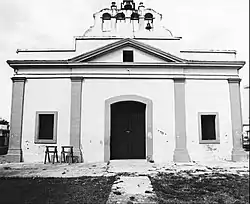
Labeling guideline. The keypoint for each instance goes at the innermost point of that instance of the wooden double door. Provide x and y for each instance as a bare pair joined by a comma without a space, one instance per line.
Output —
128,139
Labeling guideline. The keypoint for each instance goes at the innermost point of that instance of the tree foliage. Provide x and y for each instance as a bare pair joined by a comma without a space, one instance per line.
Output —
3,122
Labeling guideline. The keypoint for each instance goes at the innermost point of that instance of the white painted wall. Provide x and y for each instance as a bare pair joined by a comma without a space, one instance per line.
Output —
87,45
245,104
45,95
208,96
201,96
211,56
96,91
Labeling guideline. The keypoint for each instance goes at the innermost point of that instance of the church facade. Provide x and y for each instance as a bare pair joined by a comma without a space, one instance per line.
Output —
127,90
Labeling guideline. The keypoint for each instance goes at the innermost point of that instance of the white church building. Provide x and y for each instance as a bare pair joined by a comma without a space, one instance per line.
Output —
127,90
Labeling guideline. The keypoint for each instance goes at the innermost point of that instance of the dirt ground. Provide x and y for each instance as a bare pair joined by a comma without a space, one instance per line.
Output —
212,182
55,190
202,189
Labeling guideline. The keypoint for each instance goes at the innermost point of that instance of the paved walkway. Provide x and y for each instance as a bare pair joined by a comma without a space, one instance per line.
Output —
131,189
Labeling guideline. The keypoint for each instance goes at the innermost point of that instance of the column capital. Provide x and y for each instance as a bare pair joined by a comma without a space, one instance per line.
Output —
179,80
76,78
234,80
18,79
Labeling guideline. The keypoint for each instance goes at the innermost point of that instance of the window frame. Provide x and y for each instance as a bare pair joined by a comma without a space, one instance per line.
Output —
123,56
46,141
217,130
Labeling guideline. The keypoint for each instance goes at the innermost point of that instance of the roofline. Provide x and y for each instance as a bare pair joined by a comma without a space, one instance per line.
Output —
93,38
210,51
120,38
45,50
124,42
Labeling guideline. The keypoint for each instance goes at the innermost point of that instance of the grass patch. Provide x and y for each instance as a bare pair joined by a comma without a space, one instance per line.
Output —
55,190
207,188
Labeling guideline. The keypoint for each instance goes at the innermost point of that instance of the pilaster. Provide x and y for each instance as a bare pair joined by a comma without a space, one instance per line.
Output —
16,121
75,120
180,153
238,153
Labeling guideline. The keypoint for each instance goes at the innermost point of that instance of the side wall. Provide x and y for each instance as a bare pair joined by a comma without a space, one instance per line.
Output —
45,95
208,96
96,91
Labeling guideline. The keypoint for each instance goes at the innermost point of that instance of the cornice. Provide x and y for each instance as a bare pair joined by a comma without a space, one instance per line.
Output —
59,64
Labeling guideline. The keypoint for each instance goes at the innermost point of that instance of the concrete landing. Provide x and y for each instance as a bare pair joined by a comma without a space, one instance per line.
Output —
130,166
127,190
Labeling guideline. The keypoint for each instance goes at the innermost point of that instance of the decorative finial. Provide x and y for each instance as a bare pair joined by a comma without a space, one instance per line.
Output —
113,5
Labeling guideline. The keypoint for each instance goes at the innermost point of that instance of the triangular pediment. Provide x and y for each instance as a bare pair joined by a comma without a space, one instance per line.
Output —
113,53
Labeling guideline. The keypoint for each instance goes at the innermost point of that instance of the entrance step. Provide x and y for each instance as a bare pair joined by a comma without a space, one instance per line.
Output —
130,166
132,190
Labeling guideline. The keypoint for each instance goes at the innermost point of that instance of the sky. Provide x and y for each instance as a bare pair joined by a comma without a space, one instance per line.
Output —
202,24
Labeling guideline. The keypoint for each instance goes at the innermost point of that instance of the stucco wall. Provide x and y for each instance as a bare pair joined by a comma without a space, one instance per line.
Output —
55,95
245,105
45,95
208,96
96,91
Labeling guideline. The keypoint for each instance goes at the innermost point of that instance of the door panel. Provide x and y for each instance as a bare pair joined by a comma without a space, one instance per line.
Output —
128,130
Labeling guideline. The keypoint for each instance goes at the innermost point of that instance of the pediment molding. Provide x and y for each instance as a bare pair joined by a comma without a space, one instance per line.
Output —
127,42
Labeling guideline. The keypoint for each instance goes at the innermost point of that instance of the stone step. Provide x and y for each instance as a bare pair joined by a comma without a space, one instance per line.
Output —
130,166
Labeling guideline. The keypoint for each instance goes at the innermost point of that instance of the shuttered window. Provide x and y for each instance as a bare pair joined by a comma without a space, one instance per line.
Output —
46,125
209,128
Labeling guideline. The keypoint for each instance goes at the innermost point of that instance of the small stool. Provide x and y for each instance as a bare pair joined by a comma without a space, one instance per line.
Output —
67,150
51,149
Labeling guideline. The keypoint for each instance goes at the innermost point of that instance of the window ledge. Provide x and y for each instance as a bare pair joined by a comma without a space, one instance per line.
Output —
45,142
209,142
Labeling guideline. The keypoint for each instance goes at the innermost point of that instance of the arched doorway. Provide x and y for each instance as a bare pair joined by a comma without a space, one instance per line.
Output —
128,130
131,103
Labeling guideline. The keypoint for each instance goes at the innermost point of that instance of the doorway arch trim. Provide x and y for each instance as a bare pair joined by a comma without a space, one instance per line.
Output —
149,123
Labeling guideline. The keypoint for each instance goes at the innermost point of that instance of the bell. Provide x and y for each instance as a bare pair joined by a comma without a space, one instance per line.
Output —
120,16
135,16
148,27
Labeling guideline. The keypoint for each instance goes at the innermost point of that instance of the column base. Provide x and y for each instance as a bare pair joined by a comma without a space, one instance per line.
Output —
181,155
239,155
150,159
14,155
78,157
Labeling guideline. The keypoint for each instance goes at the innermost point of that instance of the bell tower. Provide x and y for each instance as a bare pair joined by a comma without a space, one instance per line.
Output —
128,19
